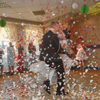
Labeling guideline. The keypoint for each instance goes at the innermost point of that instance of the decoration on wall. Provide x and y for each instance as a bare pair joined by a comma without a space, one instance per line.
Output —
84,9
2,23
94,9
74,5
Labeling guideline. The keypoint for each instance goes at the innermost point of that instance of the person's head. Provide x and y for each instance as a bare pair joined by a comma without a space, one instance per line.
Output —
80,39
62,36
10,44
67,33
18,43
55,26
30,43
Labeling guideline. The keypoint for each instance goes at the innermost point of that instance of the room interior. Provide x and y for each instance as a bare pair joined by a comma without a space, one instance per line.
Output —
29,20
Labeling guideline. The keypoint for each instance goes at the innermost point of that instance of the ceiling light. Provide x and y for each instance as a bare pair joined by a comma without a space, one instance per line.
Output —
19,13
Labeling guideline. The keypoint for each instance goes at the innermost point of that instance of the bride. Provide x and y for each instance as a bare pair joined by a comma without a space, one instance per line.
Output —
67,58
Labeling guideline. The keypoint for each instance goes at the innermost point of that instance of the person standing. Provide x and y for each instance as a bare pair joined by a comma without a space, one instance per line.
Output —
11,57
81,54
68,62
49,53
20,57
32,55
1,60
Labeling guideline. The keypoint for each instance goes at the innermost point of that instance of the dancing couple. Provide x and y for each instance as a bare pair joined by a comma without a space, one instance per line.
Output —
53,53
56,53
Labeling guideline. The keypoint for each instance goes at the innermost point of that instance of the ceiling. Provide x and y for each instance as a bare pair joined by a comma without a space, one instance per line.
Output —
22,9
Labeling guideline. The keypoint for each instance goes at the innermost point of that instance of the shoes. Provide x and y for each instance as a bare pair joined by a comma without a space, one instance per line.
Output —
21,72
11,73
2,75
47,86
47,90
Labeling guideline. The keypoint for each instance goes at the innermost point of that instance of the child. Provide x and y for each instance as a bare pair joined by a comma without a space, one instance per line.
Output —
81,55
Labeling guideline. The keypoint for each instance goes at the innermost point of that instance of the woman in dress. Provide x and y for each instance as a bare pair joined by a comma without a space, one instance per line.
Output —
81,54
67,59
1,60
11,57
20,58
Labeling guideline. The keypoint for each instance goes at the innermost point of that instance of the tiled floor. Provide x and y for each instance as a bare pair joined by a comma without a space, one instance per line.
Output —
28,86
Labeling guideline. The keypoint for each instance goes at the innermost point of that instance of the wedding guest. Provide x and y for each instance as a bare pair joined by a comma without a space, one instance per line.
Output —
20,57
81,54
32,54
10,58
1,60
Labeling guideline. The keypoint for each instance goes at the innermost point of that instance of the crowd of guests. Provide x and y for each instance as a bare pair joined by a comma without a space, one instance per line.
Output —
15,54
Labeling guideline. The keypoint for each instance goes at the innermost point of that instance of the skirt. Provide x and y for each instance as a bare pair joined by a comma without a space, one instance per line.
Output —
40,67
68,62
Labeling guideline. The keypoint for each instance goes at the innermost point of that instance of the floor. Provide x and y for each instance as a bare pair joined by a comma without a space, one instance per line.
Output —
28,86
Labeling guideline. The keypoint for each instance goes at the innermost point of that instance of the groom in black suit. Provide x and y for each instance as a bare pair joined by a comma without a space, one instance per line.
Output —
50,48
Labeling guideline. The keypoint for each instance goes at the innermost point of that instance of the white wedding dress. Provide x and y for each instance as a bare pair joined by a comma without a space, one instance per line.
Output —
40,67
67,61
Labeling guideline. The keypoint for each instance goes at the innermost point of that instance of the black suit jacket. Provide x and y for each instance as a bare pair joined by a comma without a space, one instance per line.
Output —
50,48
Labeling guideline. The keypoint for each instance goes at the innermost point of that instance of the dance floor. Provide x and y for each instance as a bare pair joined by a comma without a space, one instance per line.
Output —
28,86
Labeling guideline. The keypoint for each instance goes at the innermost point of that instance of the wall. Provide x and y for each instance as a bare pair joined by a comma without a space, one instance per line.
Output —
89,28
17,32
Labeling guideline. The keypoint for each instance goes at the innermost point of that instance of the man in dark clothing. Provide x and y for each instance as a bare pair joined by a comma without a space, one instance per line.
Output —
49,53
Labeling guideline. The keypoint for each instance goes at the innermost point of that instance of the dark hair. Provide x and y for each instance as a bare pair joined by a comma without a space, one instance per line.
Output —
80,38
53,23
67,33
10,42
